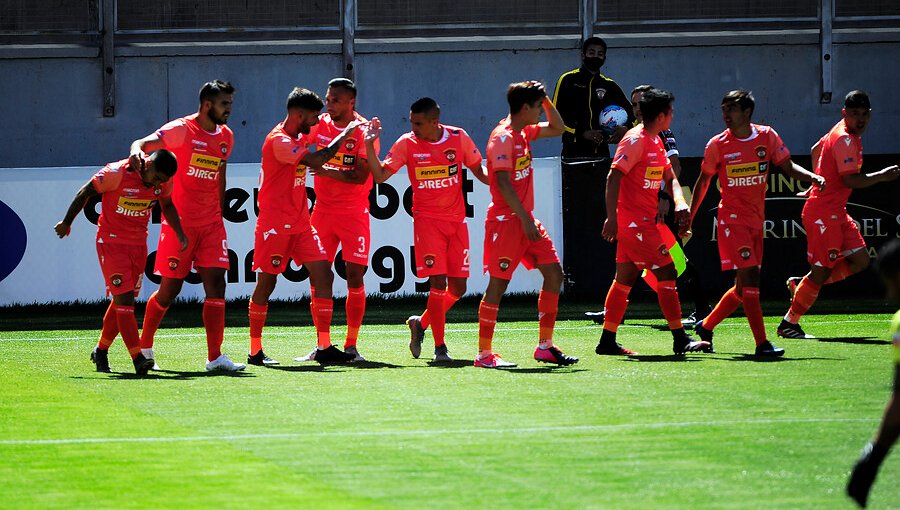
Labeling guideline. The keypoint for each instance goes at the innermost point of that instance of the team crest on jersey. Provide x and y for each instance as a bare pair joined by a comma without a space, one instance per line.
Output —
745,253
173,263
116,280
663,250
504,263
223,147
450,154
276,260
157,191
429,260
350,144
761,152
601,93
833,255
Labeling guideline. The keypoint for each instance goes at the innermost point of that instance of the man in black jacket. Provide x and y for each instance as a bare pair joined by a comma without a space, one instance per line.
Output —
580,96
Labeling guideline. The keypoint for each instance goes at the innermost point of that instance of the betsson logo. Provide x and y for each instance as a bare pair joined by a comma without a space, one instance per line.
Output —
15,239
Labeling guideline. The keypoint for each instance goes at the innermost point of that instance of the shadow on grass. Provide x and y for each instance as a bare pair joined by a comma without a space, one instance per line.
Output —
373,364
176,375
661,358
859,340
554,369
309,367
775,359
457,363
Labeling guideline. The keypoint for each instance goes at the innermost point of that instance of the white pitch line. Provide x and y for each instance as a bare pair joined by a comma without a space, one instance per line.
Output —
393,331
412,433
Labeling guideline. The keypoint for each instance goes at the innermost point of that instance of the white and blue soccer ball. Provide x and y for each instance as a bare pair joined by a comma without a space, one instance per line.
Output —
612,117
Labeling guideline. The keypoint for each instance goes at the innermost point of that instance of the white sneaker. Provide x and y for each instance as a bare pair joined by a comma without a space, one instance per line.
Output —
309,357
148,353
354,352
225,364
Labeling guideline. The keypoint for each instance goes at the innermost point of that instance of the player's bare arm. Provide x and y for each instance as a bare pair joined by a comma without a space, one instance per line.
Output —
142,146
504,185
554,125
611,225
222,184
699,193
861,180
801,174
815,151
322,156
682,210
379,174
64,227
480,173
170,213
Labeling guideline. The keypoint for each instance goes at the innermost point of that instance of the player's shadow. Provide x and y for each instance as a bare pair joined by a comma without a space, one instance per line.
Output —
309,367
178,375
661,358
552,369
775,359
859,340
457,363
372,364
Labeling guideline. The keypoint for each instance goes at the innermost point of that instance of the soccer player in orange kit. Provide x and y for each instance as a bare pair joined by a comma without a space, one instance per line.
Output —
835,248
512,234
202,143
632,199
283,229
434,155
741,156
128,194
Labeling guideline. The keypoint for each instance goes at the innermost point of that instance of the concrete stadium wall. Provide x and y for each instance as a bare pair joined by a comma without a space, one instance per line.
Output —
52,106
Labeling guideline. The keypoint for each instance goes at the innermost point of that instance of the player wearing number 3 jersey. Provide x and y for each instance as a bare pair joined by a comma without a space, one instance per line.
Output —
435,156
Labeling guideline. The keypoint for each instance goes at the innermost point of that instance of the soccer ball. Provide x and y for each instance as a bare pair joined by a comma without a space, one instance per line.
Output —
612,117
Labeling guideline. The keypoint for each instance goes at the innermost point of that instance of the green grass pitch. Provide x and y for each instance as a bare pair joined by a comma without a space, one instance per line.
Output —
652,431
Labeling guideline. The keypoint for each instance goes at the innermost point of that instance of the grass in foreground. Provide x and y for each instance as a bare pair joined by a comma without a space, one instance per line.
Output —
651,431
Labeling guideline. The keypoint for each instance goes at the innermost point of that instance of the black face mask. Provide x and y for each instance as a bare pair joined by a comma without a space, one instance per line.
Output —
594,63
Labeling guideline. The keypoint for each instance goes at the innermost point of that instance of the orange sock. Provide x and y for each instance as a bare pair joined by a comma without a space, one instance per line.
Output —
153,315
312,295
806,295
548,307
257,316
487,319
616,303
323,309
356,309
214,322
435,309
753,310
726,306
449,301
840,271
670,304
110,328
128,327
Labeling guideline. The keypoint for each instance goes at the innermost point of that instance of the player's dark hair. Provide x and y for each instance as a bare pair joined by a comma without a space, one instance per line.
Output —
211,90
857,99
165,162
641,89
743,98
654,102
888,261
522,93
304,99
343,83
427,106
592,41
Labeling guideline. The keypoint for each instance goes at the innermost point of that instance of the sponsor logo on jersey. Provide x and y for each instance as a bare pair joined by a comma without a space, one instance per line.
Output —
747,174
654,173
199,144
732,156
341,159
523,162
205,162
436,172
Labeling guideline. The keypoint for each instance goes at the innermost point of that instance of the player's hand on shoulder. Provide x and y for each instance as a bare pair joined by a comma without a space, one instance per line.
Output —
62,230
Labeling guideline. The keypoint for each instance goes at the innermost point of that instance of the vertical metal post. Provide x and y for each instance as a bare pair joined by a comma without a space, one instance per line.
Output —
107,55
826,55
348,33
587,10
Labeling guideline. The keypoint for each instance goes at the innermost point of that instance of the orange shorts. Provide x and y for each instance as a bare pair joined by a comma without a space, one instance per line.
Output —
442,247
642,246
207,247
349,230
740,246
272,251
505,246
122,266
830,237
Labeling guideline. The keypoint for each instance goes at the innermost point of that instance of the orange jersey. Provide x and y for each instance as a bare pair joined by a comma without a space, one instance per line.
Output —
743,169
126,203
201,156
842,154
333,195
510,151
282,182
642,159
435,171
